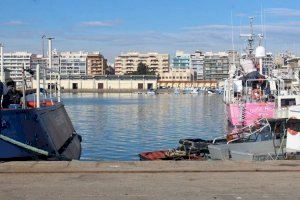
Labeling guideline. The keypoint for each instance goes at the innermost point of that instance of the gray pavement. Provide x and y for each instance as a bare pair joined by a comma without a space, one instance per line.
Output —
150,180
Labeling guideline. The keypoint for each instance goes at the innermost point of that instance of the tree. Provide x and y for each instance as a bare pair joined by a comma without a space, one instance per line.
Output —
143,69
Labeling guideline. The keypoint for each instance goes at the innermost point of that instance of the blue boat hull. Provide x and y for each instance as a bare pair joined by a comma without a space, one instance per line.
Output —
48,128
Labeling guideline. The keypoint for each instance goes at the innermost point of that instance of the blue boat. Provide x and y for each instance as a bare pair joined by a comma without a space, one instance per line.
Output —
44,133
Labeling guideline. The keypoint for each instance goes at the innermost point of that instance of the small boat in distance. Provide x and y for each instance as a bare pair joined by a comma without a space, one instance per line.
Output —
195,91
151,92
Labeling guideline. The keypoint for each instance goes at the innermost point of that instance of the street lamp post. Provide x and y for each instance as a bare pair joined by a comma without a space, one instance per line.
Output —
50,63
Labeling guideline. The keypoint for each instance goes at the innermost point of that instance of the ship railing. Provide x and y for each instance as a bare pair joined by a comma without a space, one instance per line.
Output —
38,84
278,82
246,131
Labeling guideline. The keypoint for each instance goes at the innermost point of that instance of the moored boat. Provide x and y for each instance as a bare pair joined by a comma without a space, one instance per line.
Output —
36,127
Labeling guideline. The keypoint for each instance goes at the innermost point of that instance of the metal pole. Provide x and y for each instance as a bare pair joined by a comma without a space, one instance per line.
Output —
50,63
59,89
23,87
44,78
38,86
44,71
2,65
260,66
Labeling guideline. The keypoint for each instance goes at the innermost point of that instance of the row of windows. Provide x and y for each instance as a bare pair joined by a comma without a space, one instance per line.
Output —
175,77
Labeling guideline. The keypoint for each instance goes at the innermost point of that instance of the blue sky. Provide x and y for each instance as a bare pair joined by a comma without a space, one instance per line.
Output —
115,26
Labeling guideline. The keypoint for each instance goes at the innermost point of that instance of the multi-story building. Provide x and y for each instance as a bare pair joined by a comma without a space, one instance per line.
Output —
96,64
71,63
268,63
38,60
197,63
127,63
181,60
178,74
216,66
14,62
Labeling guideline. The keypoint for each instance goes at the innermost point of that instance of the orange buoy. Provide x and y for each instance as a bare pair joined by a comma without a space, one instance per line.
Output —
33,104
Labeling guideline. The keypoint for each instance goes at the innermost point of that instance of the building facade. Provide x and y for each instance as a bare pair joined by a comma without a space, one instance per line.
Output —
268,63
127,63
96,64
72,63
179,74
216,66
197,64
181,60
15,61
112,83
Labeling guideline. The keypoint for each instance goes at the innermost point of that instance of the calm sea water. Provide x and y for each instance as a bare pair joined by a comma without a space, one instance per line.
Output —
119,126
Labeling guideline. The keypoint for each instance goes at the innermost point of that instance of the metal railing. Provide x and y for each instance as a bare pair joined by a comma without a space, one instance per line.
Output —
246,131
38,84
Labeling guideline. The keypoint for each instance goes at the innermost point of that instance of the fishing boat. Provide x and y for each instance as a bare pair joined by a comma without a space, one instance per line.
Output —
267,139
39,128
250,94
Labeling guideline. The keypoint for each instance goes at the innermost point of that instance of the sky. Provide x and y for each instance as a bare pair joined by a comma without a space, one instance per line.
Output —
118,26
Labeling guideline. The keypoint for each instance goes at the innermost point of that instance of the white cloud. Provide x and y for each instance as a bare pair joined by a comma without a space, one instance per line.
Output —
100,23
213,37
283,12
13,23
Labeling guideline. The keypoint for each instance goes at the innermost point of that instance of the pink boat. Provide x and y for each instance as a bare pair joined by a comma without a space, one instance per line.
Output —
247,113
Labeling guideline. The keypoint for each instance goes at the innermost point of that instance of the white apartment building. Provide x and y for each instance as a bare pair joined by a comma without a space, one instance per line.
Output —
127,63
268,63
15,61
197,64
71,63
216,66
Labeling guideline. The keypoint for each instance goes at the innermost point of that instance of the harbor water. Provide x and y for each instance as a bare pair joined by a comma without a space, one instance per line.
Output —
117,127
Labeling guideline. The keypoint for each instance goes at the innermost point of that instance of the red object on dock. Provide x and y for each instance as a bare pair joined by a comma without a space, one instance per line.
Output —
153,155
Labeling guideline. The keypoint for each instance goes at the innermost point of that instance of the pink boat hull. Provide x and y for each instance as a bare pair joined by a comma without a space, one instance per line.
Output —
252,112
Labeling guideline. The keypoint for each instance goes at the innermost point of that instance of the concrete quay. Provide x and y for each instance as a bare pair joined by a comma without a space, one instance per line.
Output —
150,180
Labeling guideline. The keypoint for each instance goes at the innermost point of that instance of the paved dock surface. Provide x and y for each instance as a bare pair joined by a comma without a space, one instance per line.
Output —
150,180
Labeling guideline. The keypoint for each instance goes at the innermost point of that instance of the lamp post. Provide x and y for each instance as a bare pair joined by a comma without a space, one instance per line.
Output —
50,62
43,53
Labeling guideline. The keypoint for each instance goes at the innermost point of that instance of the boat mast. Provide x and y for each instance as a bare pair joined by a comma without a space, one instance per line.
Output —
250,39
2,61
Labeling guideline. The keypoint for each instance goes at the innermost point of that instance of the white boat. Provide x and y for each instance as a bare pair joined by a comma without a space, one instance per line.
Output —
195,91
176,91
151,92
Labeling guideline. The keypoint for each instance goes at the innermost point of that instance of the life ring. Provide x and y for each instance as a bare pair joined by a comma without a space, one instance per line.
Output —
292,132
33,104
256,94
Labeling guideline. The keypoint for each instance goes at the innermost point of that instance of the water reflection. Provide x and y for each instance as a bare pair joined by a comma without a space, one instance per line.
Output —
119,126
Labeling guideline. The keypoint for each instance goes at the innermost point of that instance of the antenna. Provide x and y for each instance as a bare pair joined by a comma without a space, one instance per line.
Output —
232,42
232,68
261,19
265,29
